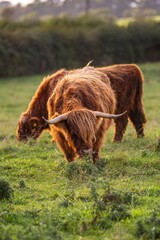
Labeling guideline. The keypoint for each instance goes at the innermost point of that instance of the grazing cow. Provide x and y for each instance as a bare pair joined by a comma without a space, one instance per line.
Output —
31,124
77,108
126,81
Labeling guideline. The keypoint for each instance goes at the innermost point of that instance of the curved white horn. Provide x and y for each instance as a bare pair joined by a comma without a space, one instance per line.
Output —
107,115
57,119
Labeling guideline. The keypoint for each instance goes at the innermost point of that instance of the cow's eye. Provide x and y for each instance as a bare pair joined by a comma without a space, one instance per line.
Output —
34,125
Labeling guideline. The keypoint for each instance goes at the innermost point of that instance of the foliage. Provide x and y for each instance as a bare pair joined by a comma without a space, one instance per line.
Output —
6,192
43,9
28,48
149,228
158,146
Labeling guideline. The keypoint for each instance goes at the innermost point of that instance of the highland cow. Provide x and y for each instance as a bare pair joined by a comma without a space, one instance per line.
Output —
80,108
31,124
126,81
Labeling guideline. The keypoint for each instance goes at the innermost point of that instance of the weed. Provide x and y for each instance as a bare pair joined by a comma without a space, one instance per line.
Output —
81,169
111,206
149,228
158,146
2,137
22,184
72,170
66,203
6,192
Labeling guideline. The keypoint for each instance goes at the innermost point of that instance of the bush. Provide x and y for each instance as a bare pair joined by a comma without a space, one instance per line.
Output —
149,228
38,47
6,192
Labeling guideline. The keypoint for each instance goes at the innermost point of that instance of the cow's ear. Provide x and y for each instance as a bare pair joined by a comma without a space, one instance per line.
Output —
34,122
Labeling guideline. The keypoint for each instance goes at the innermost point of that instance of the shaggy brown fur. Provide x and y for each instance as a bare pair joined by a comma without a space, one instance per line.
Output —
31,124
125,79
127,83
77,94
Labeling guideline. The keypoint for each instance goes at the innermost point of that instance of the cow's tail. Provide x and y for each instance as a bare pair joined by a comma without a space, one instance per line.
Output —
136,114
138,103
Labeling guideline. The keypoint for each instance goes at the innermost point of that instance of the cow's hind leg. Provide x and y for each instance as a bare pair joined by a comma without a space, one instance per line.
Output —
138,119
120,128
66,149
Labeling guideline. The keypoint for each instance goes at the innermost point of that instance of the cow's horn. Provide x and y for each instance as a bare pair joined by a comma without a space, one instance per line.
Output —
107,115
57,119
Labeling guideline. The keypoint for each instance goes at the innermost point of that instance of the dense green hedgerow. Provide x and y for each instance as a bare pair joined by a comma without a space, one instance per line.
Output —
29,48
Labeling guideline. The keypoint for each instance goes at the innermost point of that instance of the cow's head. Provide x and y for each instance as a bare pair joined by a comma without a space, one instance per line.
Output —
81,126
29,127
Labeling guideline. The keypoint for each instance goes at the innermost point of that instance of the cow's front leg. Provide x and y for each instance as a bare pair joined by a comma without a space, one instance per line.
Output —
100,134
67,150
95,156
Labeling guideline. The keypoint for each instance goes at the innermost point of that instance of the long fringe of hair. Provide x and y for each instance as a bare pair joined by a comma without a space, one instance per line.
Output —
83,123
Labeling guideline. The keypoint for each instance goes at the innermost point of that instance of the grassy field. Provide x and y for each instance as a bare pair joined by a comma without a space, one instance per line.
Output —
125,21
42,197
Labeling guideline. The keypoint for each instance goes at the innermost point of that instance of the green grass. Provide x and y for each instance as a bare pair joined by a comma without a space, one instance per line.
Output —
118,198
125,21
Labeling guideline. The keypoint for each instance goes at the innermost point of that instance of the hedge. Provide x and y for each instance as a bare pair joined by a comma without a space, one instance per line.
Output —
28,48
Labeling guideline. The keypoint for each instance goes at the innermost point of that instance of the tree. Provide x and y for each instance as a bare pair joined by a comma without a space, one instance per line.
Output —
87,6
7,13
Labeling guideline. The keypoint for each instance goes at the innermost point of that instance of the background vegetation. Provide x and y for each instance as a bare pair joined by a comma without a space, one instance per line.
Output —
29,48
43,197
39,9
